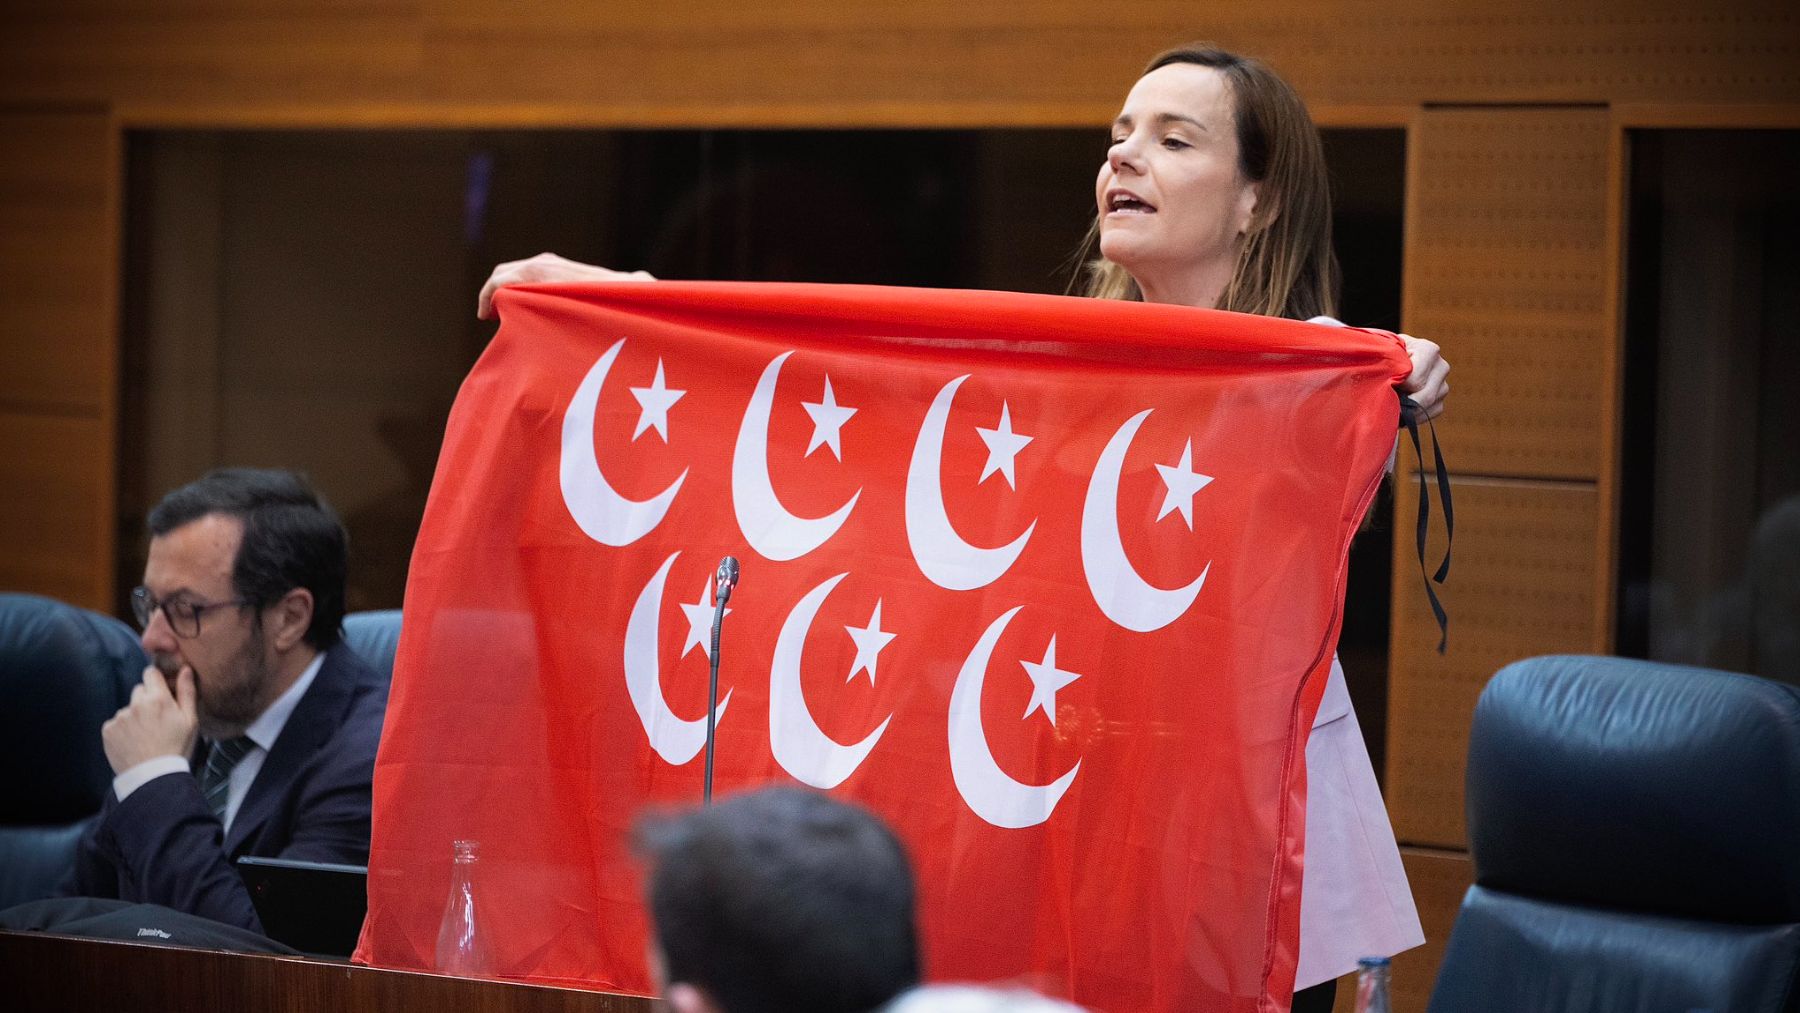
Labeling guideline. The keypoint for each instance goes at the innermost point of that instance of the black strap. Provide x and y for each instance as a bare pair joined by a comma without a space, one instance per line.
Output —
1409,418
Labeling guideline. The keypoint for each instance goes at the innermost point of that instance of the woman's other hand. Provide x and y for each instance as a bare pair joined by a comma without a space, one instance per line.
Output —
1428,383
547,267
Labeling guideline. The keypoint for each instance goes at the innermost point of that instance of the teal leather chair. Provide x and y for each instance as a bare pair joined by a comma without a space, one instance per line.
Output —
63,672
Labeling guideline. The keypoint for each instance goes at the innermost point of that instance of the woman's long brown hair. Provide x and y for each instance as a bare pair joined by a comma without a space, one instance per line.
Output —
1286,266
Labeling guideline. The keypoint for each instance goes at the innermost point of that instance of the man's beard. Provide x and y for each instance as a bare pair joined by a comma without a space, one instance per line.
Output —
228,706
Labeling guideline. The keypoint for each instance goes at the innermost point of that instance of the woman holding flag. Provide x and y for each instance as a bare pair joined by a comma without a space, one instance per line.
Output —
1214,194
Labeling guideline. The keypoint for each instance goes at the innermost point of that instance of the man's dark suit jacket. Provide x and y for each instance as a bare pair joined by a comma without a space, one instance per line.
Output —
310,801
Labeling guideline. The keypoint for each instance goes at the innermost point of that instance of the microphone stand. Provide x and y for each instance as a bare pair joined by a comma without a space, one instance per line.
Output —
723,584
712,696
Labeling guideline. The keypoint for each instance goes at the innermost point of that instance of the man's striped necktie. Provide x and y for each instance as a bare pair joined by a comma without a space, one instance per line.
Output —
215,779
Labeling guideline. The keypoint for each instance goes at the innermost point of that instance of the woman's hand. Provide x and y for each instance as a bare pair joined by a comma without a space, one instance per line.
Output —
1427,384
548,267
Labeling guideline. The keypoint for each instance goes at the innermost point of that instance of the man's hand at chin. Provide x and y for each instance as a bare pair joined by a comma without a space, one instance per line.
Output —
157,722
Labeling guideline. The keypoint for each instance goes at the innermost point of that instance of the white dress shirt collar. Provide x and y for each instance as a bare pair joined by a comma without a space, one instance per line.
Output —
264,731
267,728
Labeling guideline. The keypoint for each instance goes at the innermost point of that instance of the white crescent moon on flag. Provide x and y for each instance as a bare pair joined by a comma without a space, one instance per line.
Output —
799,745
1119,590
603,514
942,555
993,794
674,739
767,526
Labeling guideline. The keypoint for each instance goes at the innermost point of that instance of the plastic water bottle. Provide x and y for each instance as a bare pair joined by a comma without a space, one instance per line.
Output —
1372,986
462,947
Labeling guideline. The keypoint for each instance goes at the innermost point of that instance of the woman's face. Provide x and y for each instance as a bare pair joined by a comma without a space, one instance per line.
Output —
1173,205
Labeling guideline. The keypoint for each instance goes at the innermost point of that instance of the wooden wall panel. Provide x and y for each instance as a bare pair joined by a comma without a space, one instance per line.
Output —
1514,230
238,51
1512,239
1439,879
54,192
55,519
58,379
1507,246
931,61
1521,584
1544,51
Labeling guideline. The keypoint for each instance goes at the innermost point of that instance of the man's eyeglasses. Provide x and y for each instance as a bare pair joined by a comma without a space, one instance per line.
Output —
183,615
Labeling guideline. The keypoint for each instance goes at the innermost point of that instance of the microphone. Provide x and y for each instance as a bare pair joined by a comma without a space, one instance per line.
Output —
725,580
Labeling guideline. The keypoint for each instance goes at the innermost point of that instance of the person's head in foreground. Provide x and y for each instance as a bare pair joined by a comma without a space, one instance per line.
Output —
779,899
1214,192
977,999
243,586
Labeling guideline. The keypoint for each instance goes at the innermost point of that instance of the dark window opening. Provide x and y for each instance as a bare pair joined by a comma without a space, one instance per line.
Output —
306,298
1709,525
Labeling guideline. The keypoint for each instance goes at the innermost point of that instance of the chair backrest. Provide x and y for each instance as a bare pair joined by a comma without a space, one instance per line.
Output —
1635,829
374,636
63,672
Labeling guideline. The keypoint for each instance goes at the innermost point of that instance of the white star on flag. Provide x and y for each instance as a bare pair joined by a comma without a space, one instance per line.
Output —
828,417
1003,445
1046,679
700,619
653,405
1182,482
869,642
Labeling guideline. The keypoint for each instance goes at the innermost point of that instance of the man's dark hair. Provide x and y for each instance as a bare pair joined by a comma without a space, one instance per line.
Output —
783,899
291,538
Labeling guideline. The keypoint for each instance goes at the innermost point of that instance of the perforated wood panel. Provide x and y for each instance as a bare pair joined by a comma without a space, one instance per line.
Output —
57,379
1575,51
1439,879
1507,247
932,61
1521,584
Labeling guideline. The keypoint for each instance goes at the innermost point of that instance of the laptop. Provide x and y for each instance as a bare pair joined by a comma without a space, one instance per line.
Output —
315,907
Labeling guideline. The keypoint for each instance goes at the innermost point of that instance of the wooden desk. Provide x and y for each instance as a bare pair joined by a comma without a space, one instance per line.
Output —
42,972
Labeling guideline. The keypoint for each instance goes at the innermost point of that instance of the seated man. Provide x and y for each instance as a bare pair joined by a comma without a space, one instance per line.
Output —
780,899
254,730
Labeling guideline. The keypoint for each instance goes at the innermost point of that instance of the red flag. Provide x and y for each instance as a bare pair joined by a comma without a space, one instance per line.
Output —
1051,584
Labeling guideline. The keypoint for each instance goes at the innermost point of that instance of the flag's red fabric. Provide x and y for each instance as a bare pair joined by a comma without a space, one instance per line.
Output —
1051,584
